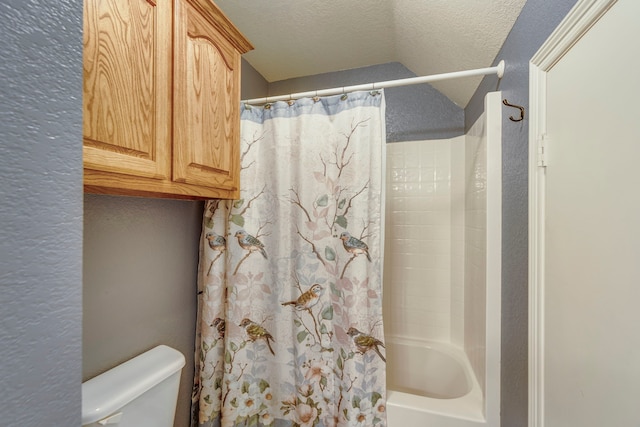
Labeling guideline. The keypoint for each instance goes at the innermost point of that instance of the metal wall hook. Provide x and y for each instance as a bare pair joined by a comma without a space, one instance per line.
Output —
505,102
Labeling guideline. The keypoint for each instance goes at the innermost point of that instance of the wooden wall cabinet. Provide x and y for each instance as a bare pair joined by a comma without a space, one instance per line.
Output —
161,99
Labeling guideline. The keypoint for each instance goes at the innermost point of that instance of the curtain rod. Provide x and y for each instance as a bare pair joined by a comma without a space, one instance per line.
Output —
498,70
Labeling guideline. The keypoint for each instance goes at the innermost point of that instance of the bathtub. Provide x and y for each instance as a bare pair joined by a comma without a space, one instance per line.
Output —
431,384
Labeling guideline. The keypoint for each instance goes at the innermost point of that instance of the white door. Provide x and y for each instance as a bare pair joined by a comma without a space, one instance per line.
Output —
585,249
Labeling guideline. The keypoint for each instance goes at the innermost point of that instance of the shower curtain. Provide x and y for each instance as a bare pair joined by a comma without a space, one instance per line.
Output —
290,288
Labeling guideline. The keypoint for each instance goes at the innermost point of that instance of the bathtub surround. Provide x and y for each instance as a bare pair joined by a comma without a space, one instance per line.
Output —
418,242
435,233
483,252
442,283
475,248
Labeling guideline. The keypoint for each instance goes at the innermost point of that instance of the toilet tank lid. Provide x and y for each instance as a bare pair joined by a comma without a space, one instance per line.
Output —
108,392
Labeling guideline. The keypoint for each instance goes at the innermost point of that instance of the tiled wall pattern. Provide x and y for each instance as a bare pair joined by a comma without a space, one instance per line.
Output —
475,252
458,174
417,271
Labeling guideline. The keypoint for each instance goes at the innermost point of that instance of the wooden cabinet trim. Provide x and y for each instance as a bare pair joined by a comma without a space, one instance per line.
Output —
222,24
99,182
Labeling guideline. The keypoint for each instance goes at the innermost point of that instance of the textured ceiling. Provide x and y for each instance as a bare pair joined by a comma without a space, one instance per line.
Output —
295,38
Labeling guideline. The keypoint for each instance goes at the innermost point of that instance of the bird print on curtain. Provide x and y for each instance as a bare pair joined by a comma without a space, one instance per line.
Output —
218,244
256,332
290,310
353,245
308,299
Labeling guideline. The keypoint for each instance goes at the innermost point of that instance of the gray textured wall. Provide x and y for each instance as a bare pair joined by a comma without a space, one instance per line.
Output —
40,213
413,112
139,273
536,21
253,84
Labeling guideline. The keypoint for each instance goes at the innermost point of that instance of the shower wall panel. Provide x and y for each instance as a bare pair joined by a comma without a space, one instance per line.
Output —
418,242
458,174
475,252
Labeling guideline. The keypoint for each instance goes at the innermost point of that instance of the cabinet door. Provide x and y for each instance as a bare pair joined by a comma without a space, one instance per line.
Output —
127,87
206,99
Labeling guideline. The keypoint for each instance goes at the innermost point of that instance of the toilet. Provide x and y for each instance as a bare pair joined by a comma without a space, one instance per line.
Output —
141,392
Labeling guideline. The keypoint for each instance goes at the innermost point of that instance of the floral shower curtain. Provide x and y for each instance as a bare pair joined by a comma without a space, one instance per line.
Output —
290,288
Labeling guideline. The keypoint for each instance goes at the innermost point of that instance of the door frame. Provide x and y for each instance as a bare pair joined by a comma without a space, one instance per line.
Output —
578,21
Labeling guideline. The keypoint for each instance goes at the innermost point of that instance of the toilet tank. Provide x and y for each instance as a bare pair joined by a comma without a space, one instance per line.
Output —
141,392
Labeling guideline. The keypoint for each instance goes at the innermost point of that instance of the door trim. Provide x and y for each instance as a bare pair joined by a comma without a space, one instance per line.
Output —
577,22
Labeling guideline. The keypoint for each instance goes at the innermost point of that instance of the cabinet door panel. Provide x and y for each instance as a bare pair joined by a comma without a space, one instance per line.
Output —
206,101
127,87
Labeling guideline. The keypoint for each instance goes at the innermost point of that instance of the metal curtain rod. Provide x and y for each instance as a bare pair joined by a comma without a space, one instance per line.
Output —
498,70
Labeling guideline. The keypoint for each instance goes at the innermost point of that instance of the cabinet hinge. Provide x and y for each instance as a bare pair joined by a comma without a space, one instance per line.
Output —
542,150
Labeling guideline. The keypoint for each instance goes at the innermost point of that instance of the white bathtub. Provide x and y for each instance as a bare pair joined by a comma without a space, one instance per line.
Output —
431,384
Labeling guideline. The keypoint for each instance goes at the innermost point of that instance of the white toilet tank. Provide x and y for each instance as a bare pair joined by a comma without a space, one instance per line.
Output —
141,392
